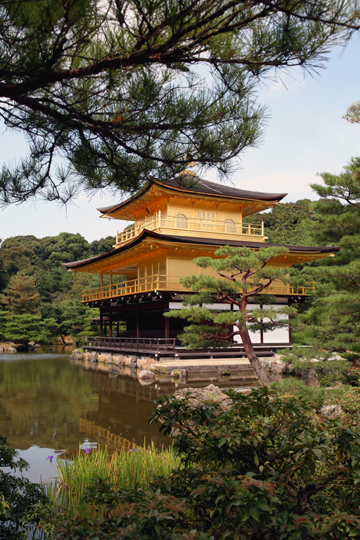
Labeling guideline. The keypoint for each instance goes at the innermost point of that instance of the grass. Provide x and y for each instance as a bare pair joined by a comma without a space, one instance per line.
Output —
124,469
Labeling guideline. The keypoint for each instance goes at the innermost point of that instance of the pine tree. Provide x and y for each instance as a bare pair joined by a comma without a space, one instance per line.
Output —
243,274
126,89
27,327
333,318
21,296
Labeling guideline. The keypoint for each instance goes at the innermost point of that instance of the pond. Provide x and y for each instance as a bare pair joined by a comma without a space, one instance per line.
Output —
50,405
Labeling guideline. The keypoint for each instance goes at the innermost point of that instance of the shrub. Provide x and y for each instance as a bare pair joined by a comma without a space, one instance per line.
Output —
350,401
351,356
18,496
292,386
266,468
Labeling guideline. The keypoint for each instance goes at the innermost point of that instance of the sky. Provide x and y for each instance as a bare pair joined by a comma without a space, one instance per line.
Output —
305,134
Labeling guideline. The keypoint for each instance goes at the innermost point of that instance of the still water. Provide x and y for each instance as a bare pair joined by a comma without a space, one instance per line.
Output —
50,406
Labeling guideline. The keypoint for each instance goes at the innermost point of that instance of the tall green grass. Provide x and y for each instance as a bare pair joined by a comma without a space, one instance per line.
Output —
124,469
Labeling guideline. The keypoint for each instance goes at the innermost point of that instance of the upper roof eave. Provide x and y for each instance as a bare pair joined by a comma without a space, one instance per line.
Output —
194,240
207,188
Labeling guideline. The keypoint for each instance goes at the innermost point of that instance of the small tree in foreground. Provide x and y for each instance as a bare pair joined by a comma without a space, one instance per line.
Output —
243,274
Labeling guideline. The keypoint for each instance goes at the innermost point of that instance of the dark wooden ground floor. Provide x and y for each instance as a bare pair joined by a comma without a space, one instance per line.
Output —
141,320
170,348
138,326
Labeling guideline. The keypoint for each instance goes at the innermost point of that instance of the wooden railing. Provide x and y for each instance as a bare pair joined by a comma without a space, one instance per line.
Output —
133,286
176,225
162,283
132,344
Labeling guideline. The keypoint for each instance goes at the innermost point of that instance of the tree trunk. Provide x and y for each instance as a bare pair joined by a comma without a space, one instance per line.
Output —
60,334
262,374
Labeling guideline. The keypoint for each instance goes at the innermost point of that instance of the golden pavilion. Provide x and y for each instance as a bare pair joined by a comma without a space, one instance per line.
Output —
174,222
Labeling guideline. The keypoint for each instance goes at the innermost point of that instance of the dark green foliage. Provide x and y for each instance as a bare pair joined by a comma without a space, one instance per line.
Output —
314,396
17,495
97,247
75,319
17,254
63,248
333,318
265,468
26,327
287,223
116,90
55,293
21,296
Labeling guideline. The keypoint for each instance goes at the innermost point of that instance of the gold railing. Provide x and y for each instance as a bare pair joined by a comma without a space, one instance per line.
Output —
162,283
186,226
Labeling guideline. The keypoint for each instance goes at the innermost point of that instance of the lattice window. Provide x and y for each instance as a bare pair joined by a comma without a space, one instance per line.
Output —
181,221
230,226
210,216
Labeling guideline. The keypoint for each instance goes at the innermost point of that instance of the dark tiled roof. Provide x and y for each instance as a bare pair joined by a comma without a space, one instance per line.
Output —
195,240
194,184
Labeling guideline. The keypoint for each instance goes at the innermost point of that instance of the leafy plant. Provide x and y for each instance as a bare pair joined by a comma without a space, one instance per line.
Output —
350,401
17,495
266,467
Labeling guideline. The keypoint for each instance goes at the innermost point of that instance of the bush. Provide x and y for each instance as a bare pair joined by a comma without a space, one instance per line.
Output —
349,401
18,496
266,468
294,387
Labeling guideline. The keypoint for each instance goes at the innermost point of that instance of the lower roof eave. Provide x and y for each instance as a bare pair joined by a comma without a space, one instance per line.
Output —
189,240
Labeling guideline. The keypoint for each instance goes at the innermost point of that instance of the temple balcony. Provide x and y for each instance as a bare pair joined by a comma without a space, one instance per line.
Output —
181,225
163,283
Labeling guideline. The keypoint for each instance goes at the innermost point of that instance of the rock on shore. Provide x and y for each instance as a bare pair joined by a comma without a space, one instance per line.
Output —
146,374
198,396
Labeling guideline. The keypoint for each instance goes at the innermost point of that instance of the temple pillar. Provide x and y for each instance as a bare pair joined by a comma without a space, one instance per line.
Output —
101,324
137,322
110,323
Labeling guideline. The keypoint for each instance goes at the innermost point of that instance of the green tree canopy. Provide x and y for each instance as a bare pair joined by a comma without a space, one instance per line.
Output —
114,87
333,319
57,292
64,247
286,223
26,327
21,295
